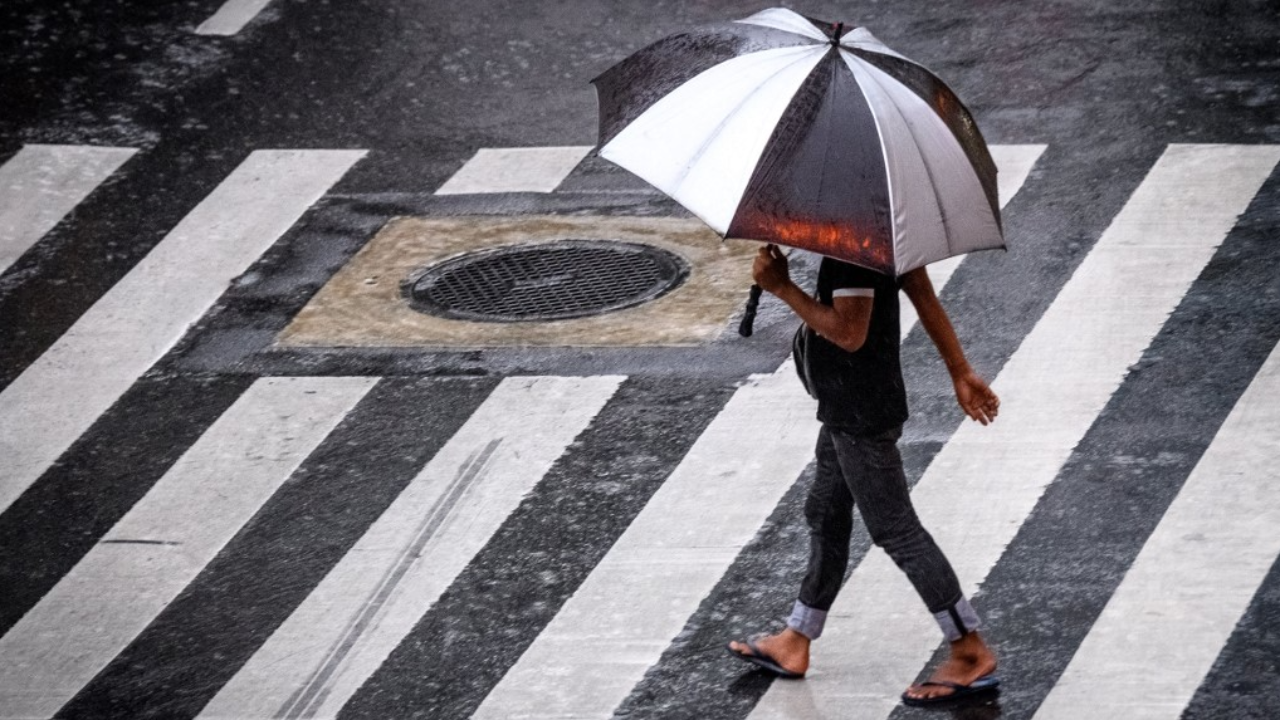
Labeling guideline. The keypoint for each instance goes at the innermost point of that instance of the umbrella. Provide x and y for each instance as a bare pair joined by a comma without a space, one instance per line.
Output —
814,135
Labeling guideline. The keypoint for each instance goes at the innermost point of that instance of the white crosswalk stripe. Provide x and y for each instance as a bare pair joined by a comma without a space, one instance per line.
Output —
336,639
878,636
59,396
499,170
42,183
1193,580
639,597
165,540
232,17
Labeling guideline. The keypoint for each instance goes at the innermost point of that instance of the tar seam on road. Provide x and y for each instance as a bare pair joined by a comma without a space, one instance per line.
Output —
307,699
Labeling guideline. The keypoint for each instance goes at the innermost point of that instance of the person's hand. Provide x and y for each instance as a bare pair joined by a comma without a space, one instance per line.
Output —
770,270
975,397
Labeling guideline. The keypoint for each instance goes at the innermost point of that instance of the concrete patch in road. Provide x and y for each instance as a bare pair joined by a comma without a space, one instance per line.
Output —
364,304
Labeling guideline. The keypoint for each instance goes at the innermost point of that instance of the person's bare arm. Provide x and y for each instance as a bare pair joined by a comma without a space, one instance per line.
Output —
844,324
975,397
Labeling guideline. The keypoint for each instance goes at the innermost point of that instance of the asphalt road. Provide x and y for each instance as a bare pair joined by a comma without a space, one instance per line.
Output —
1112,97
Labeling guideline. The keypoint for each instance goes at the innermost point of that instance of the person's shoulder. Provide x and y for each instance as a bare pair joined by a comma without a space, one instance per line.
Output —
846,274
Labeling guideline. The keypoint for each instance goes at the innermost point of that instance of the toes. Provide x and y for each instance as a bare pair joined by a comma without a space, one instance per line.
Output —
928,692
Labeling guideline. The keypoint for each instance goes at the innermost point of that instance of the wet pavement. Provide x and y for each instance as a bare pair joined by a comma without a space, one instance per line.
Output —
413,92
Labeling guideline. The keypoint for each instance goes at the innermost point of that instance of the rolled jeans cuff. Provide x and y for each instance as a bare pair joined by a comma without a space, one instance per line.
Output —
958,620
806,620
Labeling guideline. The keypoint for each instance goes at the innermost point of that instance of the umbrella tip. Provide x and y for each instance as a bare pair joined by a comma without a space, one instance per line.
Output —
835,36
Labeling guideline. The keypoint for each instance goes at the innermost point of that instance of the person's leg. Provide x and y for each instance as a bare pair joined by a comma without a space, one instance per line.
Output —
829,513
873,468
828,510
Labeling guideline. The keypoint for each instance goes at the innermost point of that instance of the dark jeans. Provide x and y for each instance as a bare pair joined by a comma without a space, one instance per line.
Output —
866,472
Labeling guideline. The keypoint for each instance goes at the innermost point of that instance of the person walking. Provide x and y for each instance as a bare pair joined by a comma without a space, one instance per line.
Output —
848,358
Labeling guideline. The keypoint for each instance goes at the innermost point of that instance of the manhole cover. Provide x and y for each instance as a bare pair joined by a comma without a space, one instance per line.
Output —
547,281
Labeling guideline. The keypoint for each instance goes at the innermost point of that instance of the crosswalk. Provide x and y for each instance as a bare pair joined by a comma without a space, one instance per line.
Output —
330,652
346,628
131,327
1163,614
159,547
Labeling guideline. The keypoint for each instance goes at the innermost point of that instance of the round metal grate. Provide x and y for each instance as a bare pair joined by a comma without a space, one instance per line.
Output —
547,281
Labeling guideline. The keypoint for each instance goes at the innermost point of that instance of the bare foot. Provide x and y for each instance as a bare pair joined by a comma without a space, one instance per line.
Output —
970,659
788,649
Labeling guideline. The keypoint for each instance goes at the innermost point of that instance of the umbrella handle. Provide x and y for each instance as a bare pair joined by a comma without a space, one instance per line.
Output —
749,314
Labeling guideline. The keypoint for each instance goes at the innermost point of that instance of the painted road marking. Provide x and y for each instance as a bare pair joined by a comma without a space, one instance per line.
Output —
370,601
1174,611
1015,163
231,17
641,594
879,635
502,170
59,396
155,550
42,183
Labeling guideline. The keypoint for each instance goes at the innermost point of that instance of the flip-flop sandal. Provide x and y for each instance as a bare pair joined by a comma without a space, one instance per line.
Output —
762,659
984,684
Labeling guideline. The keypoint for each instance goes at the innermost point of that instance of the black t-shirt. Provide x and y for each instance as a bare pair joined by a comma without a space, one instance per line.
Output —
861,392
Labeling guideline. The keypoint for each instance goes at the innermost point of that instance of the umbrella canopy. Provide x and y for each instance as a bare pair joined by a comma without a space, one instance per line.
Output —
785,129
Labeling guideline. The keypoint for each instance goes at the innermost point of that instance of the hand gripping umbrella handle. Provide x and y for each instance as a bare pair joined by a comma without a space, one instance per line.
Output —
749,314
